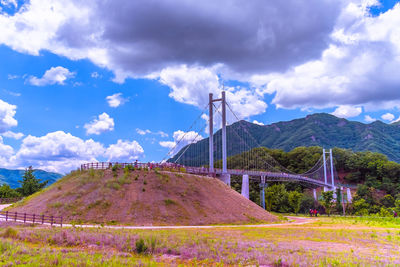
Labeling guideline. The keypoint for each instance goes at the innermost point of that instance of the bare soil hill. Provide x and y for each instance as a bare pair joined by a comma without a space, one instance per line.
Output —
141,197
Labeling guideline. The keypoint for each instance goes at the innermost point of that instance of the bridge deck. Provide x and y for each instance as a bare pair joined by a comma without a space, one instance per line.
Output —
269,176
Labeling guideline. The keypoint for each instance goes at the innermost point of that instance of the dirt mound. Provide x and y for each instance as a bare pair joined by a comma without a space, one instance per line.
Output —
140,197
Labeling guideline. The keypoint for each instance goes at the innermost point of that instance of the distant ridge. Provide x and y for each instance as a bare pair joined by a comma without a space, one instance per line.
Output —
12,177
318,129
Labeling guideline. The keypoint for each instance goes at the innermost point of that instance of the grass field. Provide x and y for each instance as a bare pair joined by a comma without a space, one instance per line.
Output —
324,242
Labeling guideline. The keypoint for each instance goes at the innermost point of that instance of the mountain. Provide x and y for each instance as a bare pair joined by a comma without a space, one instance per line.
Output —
318,129
11,177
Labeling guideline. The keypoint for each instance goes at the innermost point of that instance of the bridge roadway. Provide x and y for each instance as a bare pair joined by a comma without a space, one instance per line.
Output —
269,176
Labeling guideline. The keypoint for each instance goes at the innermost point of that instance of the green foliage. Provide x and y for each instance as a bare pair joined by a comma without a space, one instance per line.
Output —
279,201
141,247
10,233
7,192
294,199
361,207
30,184
169,202
388,201
327,201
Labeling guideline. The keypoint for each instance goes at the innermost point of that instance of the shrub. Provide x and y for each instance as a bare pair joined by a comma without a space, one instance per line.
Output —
141,247
10,233
116,167
169,202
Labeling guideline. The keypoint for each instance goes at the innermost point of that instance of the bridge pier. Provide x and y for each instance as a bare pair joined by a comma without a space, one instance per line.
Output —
349,197
245,186
315,194
226,178
262,192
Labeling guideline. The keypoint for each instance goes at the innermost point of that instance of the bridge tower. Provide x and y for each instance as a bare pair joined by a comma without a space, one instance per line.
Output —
225,176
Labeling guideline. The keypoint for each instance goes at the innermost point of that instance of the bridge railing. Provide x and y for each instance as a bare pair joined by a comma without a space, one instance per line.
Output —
139,165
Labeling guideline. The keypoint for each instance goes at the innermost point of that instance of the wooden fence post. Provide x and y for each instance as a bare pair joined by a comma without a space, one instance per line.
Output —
33,218
15,218
6,215
51,220
24,217
42,218
61,221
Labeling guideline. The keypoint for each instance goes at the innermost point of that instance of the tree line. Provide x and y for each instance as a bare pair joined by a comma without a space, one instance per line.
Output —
29,185
376,179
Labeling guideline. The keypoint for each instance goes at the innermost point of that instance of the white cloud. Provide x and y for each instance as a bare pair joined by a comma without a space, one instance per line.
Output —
55,75
6,152
56,151
62,152
346,111
116,100
12,77
103,124
258,123
10,134
95,75
7,113
369,119
359,67
181,139
192,85
124,151
388,117
147,131
9,3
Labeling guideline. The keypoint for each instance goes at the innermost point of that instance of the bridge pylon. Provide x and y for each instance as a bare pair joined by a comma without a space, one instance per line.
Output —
225,176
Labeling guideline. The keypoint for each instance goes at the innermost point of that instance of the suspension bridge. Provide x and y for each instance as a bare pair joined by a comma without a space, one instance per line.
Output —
237,142
236,152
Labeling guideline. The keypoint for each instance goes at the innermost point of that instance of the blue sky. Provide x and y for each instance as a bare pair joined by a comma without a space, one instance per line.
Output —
124,81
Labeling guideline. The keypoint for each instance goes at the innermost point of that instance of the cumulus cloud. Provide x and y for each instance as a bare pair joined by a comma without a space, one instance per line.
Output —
7,113
181,139
116,100
147,131
258,123
369,119
61,152
95,75
358,68
191,85
346,111
55,75
10,134
388,117
124,151
104,123
6,152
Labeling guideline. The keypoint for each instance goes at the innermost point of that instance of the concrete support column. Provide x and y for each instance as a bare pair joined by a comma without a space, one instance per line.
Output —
349,197
331,160
226,178
245,186
262,192
315,194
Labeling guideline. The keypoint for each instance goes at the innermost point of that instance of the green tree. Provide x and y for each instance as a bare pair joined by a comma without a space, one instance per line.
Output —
294,199
327,201
361,207
30,184
387,201
269,198
7,192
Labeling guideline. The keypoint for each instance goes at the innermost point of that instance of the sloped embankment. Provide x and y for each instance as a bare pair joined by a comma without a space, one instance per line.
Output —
139,197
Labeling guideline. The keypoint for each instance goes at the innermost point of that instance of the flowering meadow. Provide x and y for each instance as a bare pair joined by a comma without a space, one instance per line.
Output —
326,242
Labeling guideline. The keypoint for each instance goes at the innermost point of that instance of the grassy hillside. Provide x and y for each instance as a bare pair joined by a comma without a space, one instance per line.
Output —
321,129
12,177
143,198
